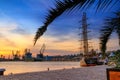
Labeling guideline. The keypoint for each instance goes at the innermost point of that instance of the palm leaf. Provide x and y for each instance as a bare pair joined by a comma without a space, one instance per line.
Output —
39,33
106,31
62,6
55,12
117,24
111,24
118,32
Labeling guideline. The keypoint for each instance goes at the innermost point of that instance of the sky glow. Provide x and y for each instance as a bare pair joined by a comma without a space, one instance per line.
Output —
19,20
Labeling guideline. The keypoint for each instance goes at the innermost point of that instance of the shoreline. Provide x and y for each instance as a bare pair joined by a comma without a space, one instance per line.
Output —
84,73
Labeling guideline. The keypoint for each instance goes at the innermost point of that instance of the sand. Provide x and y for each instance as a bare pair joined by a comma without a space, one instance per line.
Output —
86,73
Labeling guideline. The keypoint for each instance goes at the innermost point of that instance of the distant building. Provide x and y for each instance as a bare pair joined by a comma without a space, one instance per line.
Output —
39,57
48,58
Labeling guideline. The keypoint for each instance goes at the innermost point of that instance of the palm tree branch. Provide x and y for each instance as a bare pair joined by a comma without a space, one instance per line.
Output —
55,12
117,24
118,33
106,31
103,4
61,7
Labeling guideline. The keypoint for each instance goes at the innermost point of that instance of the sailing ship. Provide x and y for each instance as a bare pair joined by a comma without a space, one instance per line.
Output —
88,59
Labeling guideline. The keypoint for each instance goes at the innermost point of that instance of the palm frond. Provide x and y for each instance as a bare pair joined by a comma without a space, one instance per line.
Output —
117,24
106,31
39,33
118,33
111,24
62,6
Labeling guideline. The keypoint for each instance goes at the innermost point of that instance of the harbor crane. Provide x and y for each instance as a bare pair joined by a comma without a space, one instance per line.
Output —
42,49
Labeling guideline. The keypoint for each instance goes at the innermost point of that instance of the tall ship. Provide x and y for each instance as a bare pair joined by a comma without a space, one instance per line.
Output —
89,56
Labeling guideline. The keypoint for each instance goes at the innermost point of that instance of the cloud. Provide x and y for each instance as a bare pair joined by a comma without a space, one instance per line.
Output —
5,42
61,27
13,36
58,52
12,28
5,26
1,35
19,30
65,38
61,40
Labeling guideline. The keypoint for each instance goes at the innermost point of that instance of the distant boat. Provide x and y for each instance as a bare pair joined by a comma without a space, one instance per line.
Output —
40,56
28,56
90,62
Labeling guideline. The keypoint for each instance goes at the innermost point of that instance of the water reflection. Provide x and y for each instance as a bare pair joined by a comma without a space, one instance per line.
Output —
22,67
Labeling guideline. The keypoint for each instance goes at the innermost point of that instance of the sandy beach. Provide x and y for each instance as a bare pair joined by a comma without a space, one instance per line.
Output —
85,73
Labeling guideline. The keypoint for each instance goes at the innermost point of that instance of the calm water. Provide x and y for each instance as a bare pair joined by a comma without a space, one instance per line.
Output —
22,67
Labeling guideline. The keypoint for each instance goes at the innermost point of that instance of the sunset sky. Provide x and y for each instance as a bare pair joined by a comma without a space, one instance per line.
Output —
19,20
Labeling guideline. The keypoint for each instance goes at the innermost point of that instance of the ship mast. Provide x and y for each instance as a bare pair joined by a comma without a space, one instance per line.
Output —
84,34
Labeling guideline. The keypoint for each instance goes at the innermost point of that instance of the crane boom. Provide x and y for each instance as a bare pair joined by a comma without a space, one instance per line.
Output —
42,49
